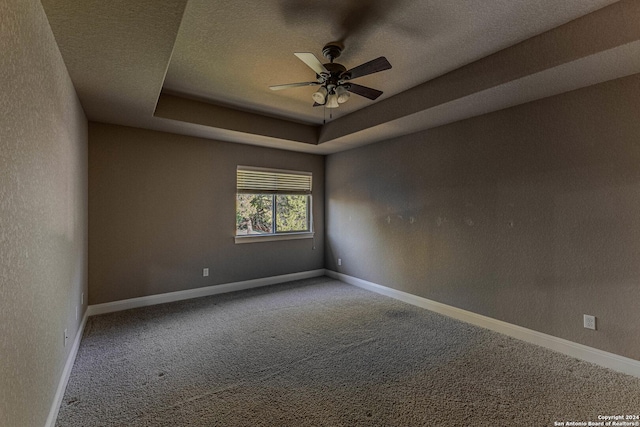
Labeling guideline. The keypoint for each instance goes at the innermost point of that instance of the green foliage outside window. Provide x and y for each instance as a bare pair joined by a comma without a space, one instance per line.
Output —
255,213
291,213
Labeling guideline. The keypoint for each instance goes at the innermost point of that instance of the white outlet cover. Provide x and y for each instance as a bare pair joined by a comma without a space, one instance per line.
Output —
205,272
590,322
339,261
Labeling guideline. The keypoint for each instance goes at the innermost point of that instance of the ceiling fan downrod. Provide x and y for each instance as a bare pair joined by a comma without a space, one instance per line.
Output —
332,51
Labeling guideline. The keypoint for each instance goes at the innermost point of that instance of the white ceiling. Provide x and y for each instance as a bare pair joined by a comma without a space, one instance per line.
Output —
220,56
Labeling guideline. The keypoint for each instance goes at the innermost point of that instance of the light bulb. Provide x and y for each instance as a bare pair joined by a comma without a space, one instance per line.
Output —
332,101
320,96
343,94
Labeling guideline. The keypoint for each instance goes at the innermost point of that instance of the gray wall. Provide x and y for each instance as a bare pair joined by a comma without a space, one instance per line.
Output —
43,213
162,208
528,215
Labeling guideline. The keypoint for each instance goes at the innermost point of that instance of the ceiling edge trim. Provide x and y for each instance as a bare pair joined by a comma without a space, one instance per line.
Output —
201,113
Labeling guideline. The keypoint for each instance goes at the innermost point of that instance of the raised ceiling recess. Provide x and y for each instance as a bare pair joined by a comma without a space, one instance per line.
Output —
204,67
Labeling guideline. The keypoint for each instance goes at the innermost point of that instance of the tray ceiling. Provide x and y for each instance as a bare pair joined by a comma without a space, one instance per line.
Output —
203,67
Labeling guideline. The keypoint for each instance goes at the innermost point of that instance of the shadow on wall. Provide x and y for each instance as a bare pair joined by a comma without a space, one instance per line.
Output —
526,215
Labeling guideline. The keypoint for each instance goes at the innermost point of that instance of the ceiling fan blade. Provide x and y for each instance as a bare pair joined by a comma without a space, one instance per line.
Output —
313,62
289,85
373,66
367,92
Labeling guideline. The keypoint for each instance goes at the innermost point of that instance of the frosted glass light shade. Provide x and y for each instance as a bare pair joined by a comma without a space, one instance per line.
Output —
343,94
320,96
332,101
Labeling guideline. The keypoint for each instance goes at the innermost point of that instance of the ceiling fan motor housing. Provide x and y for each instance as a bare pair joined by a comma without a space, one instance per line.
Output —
335,75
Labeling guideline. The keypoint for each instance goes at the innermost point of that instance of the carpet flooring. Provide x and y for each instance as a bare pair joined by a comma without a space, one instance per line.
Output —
319,352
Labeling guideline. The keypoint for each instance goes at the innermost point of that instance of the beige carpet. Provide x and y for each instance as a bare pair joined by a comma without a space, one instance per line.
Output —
322,353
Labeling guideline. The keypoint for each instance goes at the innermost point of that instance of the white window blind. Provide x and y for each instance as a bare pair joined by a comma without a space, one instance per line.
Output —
270,181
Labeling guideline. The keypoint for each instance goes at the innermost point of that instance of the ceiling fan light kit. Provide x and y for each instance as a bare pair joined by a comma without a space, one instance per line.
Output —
334,79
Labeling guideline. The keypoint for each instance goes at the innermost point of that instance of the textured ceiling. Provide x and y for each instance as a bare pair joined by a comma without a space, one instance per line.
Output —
231,53
214,60
117,52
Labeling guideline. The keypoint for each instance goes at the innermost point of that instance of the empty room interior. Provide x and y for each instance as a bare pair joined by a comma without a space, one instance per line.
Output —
319,213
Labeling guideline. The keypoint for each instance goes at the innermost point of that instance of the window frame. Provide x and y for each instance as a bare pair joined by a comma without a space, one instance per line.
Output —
274,192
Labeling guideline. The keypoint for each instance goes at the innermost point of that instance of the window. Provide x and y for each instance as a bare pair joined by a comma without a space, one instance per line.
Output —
272,204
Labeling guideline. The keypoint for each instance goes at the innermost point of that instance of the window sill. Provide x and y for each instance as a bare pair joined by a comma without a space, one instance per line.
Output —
272,237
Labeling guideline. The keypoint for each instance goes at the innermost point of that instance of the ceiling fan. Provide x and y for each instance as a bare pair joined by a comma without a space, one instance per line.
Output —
334,79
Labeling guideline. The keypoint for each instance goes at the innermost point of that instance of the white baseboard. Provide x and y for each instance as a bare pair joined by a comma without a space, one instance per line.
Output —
570,348
158,299
66,373
579,351
127,304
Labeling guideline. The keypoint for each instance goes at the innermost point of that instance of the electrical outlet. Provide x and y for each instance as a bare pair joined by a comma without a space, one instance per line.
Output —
66,337
339,261
590,322
82,299
205,272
